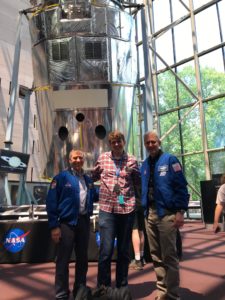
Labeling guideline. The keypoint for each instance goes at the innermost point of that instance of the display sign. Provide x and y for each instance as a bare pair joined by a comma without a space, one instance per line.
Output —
13,162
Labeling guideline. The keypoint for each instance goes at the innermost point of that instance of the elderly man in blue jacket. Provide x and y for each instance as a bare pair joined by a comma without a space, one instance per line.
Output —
165,199
69,205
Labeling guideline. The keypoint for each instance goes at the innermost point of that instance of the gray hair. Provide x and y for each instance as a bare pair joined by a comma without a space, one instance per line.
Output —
151,132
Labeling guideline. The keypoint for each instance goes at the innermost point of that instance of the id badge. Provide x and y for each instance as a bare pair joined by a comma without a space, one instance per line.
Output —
121,199
116,189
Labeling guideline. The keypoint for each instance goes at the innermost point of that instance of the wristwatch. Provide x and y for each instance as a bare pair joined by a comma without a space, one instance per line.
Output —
182,211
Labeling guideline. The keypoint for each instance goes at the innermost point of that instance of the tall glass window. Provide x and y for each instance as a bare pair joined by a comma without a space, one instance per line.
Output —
187,57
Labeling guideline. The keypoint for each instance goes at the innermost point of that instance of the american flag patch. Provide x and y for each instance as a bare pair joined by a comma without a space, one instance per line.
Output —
53,184
176,167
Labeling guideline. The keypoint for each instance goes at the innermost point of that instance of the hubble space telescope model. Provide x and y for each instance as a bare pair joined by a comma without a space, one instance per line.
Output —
85,70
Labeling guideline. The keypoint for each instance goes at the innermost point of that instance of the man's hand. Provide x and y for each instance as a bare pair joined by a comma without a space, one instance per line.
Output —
179,220
218,212
216,227
56,234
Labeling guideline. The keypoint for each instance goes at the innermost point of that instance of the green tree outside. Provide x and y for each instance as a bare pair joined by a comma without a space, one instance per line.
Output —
186,137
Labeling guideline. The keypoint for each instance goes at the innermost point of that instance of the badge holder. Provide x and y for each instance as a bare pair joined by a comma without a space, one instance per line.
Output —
121,199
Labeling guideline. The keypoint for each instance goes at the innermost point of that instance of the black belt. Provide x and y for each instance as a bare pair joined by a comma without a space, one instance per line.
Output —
152,204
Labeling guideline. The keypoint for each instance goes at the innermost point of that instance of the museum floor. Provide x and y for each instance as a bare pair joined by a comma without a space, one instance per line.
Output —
202,272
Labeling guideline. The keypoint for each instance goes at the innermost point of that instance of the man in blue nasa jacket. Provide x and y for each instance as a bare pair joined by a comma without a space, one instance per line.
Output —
69,205
165,199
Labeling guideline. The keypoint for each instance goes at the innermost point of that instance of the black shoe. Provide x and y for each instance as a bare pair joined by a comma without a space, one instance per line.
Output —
82,292
143,261
99,291
124,293
63,298
162,298
76,287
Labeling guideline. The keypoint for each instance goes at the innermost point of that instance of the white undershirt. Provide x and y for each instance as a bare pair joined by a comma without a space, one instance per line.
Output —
83,195
83,191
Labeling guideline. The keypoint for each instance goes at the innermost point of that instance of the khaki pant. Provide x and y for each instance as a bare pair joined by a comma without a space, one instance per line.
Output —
162,243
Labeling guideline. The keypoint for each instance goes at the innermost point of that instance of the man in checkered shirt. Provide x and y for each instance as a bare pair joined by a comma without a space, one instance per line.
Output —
119,177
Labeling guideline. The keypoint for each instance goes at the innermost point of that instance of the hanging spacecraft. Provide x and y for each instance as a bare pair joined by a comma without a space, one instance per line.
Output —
85,69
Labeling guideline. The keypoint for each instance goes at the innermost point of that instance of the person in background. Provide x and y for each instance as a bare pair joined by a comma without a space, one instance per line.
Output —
165,199
69,205
179,245
220,205
138,238
118,173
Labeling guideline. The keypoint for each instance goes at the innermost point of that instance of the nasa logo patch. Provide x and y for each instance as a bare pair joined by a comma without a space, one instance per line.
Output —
53,184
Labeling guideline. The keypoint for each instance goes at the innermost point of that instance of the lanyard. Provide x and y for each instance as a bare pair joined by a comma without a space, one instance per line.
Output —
119,168
117,188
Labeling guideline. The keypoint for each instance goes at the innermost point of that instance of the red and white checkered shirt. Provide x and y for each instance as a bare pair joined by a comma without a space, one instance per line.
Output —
129,176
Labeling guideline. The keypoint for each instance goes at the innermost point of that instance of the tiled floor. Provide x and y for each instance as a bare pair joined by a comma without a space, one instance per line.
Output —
202,272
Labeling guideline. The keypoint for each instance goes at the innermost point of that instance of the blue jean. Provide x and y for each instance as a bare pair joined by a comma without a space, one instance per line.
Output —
113,226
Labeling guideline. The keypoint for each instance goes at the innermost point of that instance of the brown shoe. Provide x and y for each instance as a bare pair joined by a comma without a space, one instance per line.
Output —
136,265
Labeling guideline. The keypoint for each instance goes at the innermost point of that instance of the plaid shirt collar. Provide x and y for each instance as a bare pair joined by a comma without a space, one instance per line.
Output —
123,157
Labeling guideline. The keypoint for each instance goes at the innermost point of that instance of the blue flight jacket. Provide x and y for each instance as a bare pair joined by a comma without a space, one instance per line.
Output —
63,199
170,186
